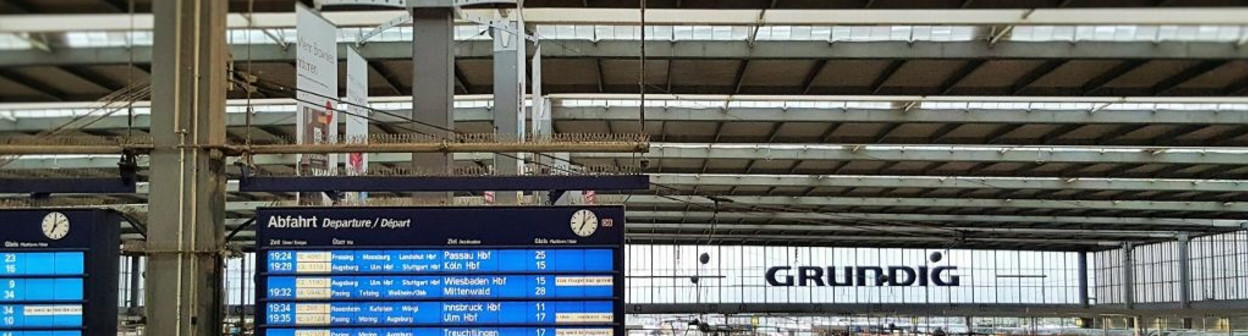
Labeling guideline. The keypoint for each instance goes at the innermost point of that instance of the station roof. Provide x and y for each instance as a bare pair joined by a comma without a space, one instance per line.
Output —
1052,129
105,6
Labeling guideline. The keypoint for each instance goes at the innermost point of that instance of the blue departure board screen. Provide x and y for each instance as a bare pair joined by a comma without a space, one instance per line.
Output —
457,271
58,272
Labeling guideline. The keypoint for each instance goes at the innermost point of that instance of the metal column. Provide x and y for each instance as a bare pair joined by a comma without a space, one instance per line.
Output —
136,275
1084,300
1185,275
509,89
1083,279
433,84
1128,275
187,203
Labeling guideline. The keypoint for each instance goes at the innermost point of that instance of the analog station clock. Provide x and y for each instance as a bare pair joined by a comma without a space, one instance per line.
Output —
55,225
584,223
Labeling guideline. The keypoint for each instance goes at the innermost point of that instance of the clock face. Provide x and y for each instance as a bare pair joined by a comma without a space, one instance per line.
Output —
584,223
55,225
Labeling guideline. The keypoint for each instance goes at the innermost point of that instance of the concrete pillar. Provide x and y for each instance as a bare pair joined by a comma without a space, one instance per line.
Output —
187,203
1128,275
1185,276
433,86
1084,301
509,89
1083,279
136,275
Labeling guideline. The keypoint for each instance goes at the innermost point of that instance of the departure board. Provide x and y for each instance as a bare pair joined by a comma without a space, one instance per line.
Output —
440,271
58,272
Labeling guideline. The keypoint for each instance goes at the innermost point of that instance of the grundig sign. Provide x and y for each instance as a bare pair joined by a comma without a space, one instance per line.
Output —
783,276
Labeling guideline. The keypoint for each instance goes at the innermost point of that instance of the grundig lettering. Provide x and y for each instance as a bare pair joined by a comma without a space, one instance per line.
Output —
784,276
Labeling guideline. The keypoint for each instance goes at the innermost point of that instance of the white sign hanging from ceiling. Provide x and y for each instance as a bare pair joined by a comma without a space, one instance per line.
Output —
317,83
357,118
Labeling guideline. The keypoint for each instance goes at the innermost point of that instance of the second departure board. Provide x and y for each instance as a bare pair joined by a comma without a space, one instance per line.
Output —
58,272
445,271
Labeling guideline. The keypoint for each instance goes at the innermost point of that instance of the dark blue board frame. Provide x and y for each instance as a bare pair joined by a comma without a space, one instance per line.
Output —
440,183
93,233
435,228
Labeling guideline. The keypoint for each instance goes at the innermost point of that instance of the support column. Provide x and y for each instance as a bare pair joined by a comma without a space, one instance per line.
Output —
433,86
1128,275
136,275
187,203
1083,279
509,75
1185,276
1084,301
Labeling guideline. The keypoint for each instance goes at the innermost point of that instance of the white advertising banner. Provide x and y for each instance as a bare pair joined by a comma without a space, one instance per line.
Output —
541,117
357,118
317,83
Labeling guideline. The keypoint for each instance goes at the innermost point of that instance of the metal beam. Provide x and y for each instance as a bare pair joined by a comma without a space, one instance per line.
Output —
1011,118
810,201
1227,136
888,72
122,6
394,83
1177,132
827,134
660,16
1100,223
1108,137
440,184
815,70
1239,87
884,132
845,239
601,75
957,77
740,77
933,154
1055,134
18,5
702,151
1095,84
950,182
1035,74
1172,82
707,50
1001,132
775,131
668,80
94,78
965,232
942,132
38,86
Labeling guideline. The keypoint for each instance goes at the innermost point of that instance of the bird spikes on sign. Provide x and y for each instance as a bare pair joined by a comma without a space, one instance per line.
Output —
471,171
59,173
74,140
477,138
63,202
